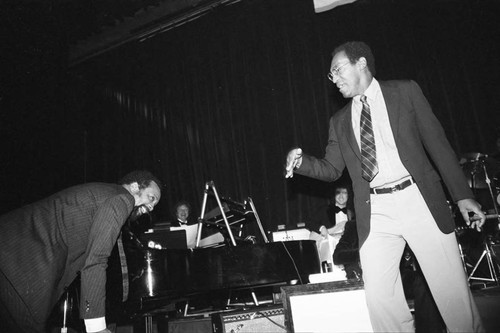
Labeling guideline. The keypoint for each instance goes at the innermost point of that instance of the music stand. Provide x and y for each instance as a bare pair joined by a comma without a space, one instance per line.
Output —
211,186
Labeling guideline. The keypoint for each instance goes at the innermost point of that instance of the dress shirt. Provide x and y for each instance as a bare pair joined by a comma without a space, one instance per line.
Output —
95,324
340,217
391,169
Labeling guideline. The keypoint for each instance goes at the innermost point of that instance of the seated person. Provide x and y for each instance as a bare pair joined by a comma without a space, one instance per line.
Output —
330,233
337,214
337,210
182,211
183,219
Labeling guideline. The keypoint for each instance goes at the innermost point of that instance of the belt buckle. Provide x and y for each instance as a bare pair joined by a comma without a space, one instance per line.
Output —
394,188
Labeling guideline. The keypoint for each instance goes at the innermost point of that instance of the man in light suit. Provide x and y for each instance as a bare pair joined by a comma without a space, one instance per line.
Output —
403,200
45,244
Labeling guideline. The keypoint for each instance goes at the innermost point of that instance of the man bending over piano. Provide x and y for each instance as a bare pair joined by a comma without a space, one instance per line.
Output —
45,244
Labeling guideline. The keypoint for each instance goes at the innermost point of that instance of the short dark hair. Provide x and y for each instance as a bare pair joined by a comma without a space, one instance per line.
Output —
355,50
182,203
142,177
339,189
340,185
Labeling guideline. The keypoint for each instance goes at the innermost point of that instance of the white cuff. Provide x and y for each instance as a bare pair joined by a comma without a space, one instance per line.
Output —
95,324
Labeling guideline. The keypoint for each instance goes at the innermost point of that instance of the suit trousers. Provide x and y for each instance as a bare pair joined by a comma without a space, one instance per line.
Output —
397,218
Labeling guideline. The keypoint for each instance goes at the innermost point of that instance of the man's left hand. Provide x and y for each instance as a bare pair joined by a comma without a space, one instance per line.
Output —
470,205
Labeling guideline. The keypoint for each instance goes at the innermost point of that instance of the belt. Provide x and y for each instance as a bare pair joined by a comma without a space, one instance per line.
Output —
392,189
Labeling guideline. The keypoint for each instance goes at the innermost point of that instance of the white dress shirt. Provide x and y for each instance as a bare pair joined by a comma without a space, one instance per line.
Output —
391,169
340,217
95,324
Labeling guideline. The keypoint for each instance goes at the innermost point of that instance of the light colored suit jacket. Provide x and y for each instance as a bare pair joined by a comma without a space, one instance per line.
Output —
418,136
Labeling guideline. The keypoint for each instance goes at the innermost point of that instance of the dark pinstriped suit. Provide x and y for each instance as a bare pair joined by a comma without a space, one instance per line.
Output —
43,245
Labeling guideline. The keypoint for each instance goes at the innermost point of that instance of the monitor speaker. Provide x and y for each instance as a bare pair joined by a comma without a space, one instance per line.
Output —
327,307
257,319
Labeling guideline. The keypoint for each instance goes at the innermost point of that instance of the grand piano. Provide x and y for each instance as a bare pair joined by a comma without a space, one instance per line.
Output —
156,279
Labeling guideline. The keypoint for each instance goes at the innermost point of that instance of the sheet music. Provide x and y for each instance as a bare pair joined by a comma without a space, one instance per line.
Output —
191,231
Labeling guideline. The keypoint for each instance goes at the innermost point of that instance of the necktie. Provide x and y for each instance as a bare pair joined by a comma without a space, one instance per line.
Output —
338,209
123,264
369,166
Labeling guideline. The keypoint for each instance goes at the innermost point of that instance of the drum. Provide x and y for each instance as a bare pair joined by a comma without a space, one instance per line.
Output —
479,168
474,172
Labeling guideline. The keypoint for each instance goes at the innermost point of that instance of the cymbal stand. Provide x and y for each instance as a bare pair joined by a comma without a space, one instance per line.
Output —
210,185
487,251
491,267
488,182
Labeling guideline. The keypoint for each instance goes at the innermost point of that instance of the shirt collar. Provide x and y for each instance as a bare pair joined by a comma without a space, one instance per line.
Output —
371,92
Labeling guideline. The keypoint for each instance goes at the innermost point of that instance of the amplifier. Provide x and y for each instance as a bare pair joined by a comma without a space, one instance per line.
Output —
257,319
326,307
191,325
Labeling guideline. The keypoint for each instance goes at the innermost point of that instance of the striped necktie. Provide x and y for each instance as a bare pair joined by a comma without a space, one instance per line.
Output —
369,168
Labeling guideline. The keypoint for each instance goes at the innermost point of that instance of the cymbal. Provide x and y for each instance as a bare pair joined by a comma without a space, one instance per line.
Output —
474,159
470,157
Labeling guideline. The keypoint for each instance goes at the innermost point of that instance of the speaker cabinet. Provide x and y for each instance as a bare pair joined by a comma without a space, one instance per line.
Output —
257,319
191,325
326,307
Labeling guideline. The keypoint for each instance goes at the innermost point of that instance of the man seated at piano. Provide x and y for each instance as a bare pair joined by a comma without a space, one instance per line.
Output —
182,211
184,219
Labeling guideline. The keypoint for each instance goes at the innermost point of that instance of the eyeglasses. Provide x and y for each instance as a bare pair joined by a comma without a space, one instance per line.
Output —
336,71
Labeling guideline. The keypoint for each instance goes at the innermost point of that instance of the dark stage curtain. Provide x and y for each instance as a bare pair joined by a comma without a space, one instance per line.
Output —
224,97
